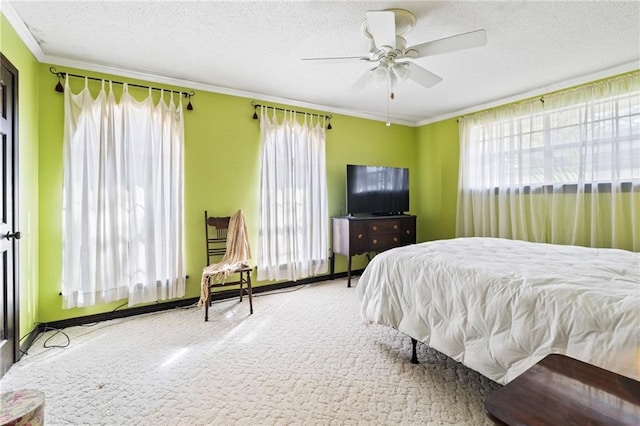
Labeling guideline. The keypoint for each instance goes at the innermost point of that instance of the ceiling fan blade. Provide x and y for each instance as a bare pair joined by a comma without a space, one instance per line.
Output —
382,26
422,76
339,58
449,44
364,80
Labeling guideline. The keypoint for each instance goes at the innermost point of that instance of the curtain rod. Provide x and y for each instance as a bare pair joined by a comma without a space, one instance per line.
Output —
62,74
524,101
256,106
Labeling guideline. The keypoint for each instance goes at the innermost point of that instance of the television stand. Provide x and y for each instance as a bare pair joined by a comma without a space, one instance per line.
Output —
352,235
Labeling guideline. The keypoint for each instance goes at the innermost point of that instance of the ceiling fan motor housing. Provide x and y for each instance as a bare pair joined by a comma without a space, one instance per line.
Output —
378,53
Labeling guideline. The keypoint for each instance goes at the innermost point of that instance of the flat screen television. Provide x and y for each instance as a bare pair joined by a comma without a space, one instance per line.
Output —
377,190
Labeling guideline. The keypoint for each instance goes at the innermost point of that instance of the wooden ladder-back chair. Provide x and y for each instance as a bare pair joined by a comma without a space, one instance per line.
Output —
216,229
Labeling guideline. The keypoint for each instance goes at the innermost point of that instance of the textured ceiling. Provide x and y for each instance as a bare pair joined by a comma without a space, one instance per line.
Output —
253,49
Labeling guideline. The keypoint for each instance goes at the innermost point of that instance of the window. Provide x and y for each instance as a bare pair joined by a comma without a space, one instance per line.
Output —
564,170
591,142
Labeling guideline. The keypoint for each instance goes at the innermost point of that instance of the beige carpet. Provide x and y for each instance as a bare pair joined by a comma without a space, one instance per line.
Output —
304,357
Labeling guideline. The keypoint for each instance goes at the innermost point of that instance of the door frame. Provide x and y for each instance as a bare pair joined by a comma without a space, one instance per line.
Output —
12,291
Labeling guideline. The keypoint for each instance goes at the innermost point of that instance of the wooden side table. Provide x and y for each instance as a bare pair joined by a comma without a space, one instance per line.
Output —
560,390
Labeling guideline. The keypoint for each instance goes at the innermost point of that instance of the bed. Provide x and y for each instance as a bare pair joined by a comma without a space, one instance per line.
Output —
499,306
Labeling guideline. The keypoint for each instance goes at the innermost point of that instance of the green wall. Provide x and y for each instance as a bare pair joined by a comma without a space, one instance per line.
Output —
20,56
222,154
437,154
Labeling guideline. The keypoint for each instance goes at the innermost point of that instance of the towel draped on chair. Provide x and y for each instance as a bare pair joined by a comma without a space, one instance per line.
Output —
236,257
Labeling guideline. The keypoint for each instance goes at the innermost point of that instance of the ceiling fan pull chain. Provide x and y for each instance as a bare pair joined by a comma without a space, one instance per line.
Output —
389,97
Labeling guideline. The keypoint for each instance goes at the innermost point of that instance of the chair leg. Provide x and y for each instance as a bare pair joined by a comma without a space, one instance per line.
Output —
249,291
207,303
209,300
241,282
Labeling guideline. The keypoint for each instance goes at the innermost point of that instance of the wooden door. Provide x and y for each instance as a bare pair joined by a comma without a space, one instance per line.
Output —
9,343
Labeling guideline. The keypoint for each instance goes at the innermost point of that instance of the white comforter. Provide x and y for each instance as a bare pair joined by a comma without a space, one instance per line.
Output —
499,306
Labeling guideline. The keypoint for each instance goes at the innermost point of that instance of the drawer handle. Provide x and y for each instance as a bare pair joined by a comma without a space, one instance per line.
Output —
359,236
408,232
375,241
375,228
395,239
395,226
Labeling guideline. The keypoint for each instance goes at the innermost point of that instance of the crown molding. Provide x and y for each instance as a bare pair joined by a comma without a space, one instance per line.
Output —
21,29
565,84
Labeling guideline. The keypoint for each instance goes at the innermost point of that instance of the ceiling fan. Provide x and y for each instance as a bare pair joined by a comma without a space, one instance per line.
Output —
393,58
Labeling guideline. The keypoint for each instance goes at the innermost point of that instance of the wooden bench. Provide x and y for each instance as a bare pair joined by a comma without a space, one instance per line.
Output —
560,390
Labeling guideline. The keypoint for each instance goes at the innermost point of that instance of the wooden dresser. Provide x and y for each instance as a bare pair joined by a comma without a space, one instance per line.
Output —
352,235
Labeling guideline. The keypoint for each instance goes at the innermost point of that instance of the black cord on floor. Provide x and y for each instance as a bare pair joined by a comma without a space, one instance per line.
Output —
57,331
31,332
268,293
35,330
45,344
98,322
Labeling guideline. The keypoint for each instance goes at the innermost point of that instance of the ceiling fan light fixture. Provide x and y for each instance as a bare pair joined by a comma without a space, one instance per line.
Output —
401,70
381,73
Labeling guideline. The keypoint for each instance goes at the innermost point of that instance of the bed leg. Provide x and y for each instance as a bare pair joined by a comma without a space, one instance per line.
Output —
414,355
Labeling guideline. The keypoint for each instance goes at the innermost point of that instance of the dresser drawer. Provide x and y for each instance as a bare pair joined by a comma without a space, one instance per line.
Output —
383,241
358,237
384,227
408,232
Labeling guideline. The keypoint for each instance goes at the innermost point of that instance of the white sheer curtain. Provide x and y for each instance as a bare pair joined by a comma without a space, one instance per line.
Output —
564,170
122,199
293,197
